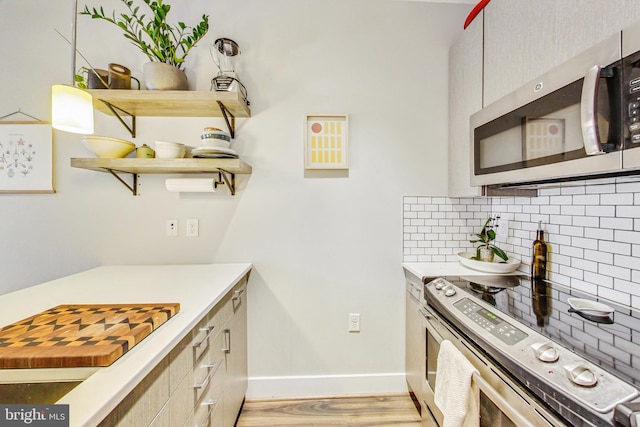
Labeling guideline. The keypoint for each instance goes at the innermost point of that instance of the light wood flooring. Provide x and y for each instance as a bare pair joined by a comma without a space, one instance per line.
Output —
379,411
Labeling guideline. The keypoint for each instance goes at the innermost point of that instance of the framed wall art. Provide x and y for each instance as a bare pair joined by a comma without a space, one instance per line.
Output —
326,141
26,157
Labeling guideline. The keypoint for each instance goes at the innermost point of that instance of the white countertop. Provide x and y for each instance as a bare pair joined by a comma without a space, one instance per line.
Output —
196,287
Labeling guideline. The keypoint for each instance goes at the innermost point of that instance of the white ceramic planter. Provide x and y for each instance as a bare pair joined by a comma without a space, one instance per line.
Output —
161,76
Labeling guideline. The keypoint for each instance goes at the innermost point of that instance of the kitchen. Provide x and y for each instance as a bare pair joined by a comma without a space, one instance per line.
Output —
320,263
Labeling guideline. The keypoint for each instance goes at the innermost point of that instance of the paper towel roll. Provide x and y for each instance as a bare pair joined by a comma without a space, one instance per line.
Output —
190,185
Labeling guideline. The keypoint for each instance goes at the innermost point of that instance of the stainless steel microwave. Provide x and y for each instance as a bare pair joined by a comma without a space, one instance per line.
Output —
581,119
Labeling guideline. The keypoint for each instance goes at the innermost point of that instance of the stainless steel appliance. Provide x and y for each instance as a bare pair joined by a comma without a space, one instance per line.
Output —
581,119
225,53
539,362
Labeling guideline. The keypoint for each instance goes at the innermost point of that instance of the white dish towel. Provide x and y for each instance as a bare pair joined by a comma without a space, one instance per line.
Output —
453,394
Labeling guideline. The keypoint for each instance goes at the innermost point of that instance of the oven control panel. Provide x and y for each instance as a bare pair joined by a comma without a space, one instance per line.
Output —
492,323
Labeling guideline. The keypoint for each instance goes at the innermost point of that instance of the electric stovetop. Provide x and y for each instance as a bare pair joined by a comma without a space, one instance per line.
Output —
610,341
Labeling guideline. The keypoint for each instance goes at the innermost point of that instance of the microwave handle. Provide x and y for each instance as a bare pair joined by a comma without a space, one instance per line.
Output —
588,112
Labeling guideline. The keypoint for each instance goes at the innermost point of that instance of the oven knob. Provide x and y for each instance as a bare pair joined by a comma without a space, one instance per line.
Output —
545,351
580,374
450,292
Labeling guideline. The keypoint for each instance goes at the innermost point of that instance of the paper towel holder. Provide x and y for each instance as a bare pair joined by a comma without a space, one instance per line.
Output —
200,185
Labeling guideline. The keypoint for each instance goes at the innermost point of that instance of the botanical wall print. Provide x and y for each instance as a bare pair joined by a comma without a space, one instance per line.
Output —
326,142
26,157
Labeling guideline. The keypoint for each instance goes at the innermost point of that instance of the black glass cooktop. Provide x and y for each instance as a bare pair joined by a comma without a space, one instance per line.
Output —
610,341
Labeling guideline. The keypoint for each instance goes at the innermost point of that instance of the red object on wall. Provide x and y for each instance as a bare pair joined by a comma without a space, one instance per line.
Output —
474,12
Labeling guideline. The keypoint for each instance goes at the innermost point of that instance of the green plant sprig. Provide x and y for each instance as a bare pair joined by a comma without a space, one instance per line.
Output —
485,237
158,40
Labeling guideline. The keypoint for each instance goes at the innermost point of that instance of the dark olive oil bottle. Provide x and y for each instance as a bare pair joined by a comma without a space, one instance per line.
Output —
539,260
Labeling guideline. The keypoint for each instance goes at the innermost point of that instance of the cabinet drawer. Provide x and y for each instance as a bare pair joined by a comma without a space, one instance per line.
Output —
210,368
208,410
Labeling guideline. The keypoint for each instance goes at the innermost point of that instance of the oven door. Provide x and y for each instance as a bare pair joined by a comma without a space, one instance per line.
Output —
500,404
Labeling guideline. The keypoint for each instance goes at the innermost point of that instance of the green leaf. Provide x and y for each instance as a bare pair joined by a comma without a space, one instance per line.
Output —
499,252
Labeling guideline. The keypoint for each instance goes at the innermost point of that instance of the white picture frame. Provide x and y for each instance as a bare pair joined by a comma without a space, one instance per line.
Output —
326,141
26,157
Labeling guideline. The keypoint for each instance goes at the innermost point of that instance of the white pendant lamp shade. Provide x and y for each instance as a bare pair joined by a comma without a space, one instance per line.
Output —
71,109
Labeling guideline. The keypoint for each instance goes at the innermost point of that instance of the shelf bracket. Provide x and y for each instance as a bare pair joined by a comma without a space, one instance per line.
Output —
229,118
227,178
133,188
116,112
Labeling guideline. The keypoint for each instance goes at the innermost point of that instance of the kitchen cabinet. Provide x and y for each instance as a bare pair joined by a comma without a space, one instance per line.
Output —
465,98
202,381
225,168
523,40
235,358
414,341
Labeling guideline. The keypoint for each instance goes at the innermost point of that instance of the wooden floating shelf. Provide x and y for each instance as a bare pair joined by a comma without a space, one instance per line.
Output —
163,166
170,103
225,168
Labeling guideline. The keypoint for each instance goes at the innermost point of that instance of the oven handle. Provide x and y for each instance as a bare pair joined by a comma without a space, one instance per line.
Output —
479,383
429,320
588,113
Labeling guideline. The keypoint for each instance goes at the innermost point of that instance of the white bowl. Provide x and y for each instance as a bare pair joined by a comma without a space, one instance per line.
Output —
215,143
108,148
217,138
169,150
497,266
215,133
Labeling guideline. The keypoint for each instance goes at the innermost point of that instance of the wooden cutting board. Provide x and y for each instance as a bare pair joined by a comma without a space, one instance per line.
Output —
80,335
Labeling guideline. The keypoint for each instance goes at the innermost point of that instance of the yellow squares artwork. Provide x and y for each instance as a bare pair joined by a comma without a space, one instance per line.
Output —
326,145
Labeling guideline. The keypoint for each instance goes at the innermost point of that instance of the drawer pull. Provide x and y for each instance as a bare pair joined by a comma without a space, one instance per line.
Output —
237,294
208,330
205,382
227,341
212,402
205,421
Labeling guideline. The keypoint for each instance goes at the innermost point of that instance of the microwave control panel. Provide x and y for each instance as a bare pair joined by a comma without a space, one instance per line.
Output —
631,93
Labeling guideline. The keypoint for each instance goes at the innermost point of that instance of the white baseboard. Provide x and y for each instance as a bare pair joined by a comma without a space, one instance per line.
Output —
325,385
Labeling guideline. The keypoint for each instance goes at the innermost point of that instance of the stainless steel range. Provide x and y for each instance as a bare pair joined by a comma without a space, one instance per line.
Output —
540,362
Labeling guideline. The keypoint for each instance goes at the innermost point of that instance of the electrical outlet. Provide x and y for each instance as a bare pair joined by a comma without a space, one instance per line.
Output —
192,227
354,322
501,226
172,227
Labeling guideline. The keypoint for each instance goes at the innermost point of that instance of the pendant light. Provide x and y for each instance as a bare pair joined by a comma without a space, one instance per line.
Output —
71,107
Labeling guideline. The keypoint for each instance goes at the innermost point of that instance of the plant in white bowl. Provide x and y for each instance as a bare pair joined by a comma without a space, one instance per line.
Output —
485,251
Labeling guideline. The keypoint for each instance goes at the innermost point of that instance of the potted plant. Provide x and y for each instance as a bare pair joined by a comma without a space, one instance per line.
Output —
165,45
486,250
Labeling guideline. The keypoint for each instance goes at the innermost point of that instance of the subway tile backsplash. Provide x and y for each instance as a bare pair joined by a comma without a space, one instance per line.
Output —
592,228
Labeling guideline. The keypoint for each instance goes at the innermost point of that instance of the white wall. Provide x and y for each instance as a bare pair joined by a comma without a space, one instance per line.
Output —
322,246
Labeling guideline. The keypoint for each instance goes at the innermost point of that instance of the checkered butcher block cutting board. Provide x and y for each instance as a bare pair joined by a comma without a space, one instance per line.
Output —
80,335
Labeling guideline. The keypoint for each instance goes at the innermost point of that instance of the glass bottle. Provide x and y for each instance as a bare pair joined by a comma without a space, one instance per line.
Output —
539,260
